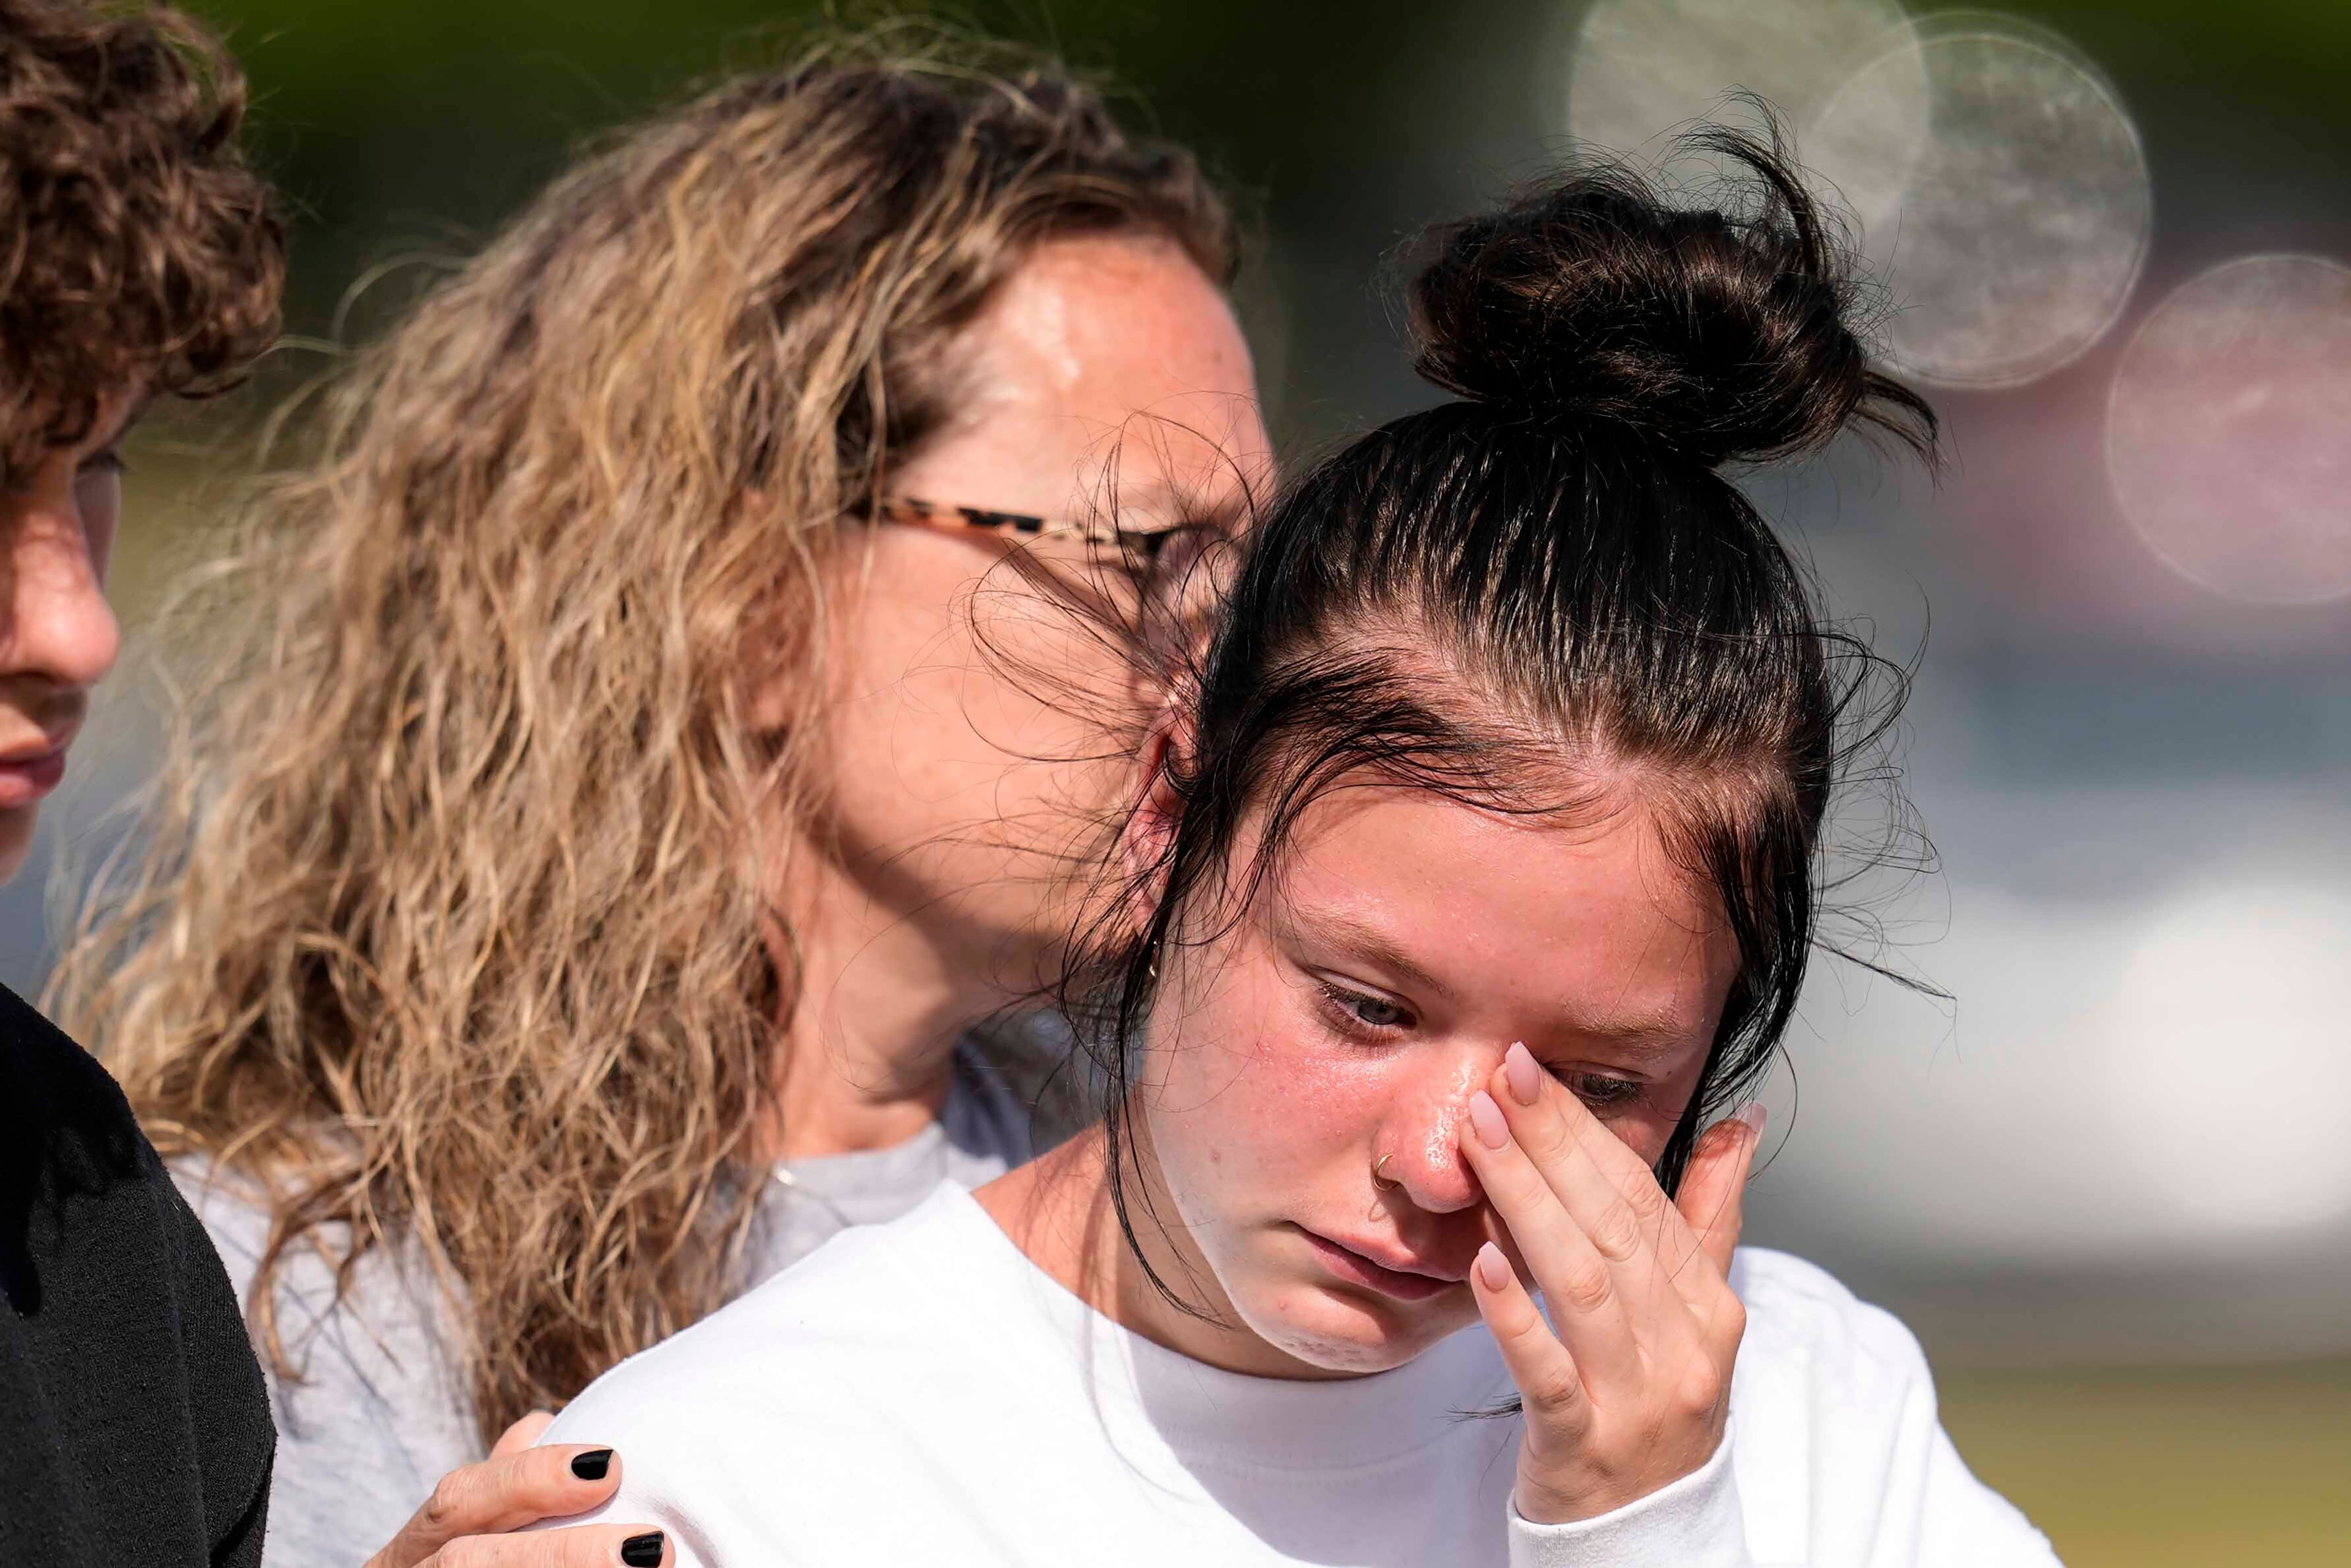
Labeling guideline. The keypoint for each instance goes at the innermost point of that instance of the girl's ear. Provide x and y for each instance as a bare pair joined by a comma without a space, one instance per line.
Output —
1150,833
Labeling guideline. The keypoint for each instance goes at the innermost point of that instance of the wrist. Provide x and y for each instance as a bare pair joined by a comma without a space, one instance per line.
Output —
1692,1521
1540,1499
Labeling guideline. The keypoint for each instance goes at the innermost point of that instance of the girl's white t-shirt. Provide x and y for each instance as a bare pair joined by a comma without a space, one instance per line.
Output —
919,1392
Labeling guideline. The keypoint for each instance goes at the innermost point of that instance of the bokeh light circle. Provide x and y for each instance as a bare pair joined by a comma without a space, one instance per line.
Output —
2228,430
1645,70
2013,230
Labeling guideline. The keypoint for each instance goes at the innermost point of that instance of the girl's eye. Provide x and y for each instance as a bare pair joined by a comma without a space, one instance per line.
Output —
1602,1092
1366,1011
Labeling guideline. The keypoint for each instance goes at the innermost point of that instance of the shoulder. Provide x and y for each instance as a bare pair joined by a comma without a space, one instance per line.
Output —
850,1294
86,1191
367,1375
127,1323
846,1328
387,1310
1839,1447
1794,1305
817,1416
1806,1330
65,1106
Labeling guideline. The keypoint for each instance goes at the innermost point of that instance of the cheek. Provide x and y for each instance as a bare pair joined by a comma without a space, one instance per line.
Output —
964,719
1247,1095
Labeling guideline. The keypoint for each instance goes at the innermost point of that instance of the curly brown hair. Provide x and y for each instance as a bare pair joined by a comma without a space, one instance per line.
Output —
135,244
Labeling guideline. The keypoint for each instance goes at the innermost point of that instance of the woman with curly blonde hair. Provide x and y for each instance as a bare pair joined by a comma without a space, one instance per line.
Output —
575,900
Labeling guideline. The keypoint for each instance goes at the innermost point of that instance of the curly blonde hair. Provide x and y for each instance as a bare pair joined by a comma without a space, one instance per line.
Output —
452,923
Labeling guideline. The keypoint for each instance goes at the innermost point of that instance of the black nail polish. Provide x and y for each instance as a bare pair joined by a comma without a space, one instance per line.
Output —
643,1550
592,1465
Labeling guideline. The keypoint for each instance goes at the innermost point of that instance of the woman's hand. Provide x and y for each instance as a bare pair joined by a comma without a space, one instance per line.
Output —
468,1519
1627,1386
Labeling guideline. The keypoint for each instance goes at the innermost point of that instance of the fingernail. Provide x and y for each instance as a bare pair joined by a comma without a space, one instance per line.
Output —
1493,1269
1756,1115
643,1550
1487,1117
1526,1078
592,1465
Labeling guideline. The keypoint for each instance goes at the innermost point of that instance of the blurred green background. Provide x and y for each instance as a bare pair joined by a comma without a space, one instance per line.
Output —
2184,1404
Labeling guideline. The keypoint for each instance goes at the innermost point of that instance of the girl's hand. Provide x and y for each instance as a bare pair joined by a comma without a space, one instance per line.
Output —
468,1521
1628,1387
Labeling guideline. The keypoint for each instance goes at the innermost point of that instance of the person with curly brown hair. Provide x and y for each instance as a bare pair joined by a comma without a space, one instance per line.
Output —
139,258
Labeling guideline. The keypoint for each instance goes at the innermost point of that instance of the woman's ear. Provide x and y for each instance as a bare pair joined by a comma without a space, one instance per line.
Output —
1150,833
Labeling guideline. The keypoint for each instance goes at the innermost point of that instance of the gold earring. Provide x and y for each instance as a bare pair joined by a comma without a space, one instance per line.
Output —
1385,1183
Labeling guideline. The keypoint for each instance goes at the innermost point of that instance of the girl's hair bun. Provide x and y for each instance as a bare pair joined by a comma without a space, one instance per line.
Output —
1722,334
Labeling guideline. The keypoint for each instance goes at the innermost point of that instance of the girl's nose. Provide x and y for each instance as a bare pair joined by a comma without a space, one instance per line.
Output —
1421,1146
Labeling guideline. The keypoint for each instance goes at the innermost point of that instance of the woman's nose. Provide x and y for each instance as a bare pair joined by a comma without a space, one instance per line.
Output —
1422,1145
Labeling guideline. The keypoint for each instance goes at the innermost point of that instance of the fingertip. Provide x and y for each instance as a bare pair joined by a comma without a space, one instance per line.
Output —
1486,1120
1734,1136
594,1464
1491,1270
648,1550
1521,1074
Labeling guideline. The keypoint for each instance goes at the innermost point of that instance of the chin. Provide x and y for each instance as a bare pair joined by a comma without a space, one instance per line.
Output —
1342,1332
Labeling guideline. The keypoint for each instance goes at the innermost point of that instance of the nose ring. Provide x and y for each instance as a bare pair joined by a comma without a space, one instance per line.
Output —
1385,1183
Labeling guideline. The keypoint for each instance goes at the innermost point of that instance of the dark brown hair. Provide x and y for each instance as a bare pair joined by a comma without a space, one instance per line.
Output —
135,246
1547,588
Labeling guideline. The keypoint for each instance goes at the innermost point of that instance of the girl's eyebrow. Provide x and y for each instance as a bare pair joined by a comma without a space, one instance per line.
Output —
1365,940
1650,1037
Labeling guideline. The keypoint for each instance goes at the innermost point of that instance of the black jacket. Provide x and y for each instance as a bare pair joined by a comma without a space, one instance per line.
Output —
134,1425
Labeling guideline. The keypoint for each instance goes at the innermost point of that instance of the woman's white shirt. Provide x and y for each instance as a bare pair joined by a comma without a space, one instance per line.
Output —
920,1393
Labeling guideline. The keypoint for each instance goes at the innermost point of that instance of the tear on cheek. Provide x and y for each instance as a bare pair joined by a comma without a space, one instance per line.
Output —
1444,1143
1443,1135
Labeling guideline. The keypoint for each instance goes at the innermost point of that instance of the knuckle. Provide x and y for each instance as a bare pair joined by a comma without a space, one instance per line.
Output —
453,1495
1700,1392
1648,1201
1586,1285
1617,1232
1550,1139
1731,1320
1553,1390
1521,1187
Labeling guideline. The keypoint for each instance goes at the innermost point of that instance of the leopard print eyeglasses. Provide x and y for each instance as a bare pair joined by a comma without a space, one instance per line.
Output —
912,512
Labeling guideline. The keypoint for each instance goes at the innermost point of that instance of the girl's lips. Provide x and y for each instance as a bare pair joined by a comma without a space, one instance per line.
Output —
25,780
1357,1270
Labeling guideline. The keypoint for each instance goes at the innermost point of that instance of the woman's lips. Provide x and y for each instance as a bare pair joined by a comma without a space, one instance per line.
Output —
1357,1270
24,780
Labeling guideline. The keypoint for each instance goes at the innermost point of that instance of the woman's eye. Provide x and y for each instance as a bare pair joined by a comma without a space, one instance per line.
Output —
1371,1012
